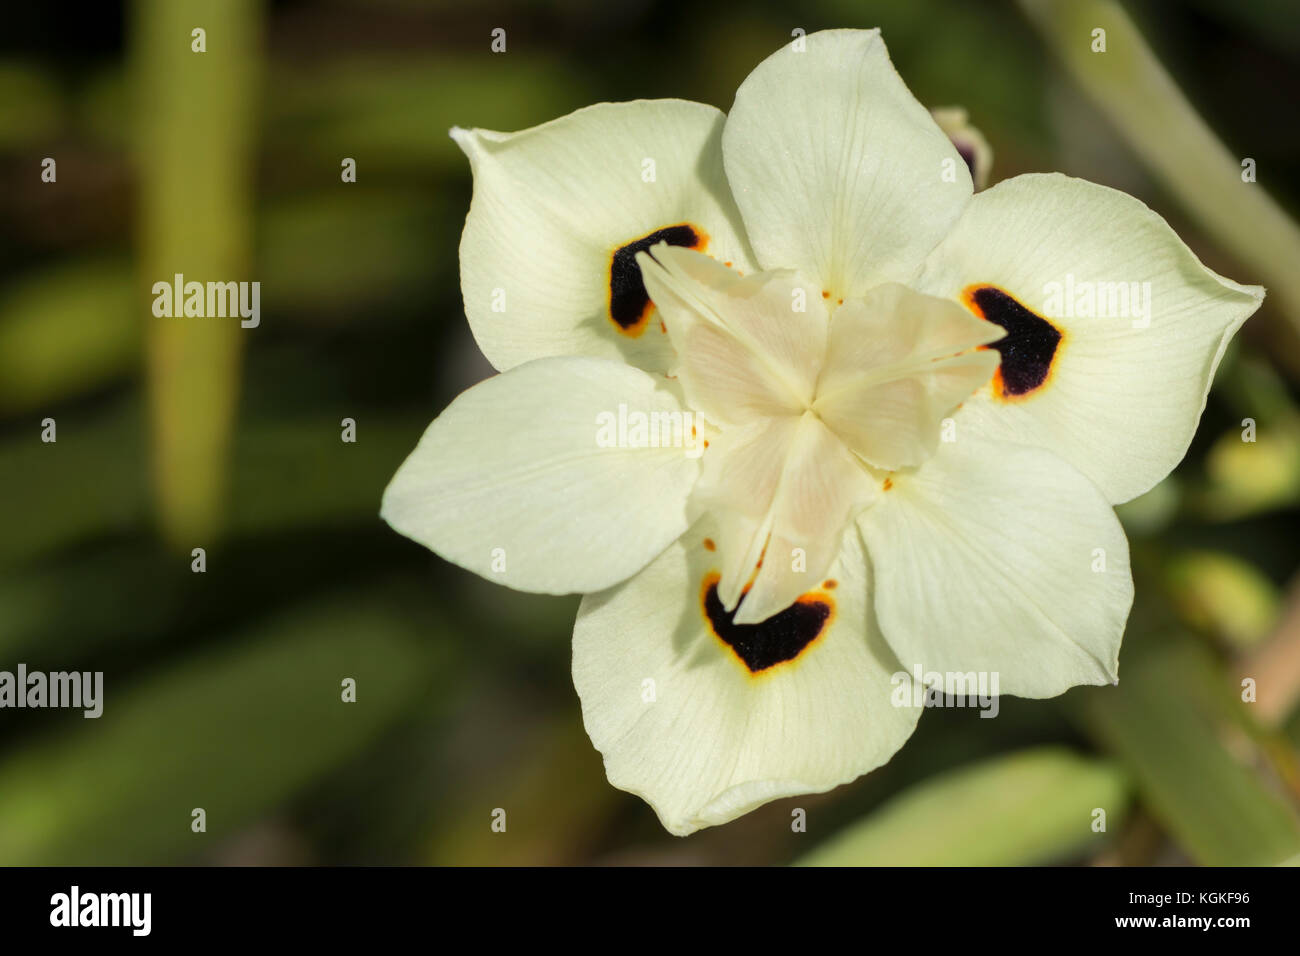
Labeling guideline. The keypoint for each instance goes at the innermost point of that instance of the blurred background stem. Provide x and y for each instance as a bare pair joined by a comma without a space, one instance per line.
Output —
194,152
1134,91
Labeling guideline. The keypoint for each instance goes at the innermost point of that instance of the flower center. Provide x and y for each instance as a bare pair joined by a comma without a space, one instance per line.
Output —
808,403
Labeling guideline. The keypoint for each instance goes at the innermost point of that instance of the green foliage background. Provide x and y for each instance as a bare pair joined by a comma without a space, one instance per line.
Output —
222,689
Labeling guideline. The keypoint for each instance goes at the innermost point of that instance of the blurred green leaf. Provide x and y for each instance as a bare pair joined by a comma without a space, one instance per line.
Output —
1271,22
32,106
553,792
65,331
348,251
1254,387
1220,592
92,481
1153,511
1129,84
1033,806
1250,477
1193,754
1246,477
278,465
236,731
385,112
118,597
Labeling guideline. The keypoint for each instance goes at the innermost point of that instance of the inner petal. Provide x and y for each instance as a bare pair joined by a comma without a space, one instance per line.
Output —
897,363
782,493
747,346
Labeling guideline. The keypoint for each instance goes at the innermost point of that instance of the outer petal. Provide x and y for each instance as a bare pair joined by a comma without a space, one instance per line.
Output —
685,724
839,172
1123,393
555,203
517,481
1002,559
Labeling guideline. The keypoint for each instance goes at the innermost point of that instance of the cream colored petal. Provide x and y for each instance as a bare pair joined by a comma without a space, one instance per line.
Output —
683,722
838,171
541,269
530,480
747,346
1000,559
1119,328
783,492
898,364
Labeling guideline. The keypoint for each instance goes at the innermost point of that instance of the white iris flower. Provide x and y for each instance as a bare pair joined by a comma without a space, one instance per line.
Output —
916,408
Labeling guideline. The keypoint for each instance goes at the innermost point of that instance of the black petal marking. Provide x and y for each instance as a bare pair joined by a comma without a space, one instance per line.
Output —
1027,350
780,638
629,305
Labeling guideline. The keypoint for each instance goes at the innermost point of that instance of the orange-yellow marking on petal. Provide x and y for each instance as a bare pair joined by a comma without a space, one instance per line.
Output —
629,303
1029,351
781,639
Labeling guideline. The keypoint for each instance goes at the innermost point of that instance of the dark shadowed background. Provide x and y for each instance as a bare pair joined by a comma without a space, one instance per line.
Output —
222,689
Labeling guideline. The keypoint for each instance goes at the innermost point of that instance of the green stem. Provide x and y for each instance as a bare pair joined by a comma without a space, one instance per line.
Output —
195,142
1130,86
